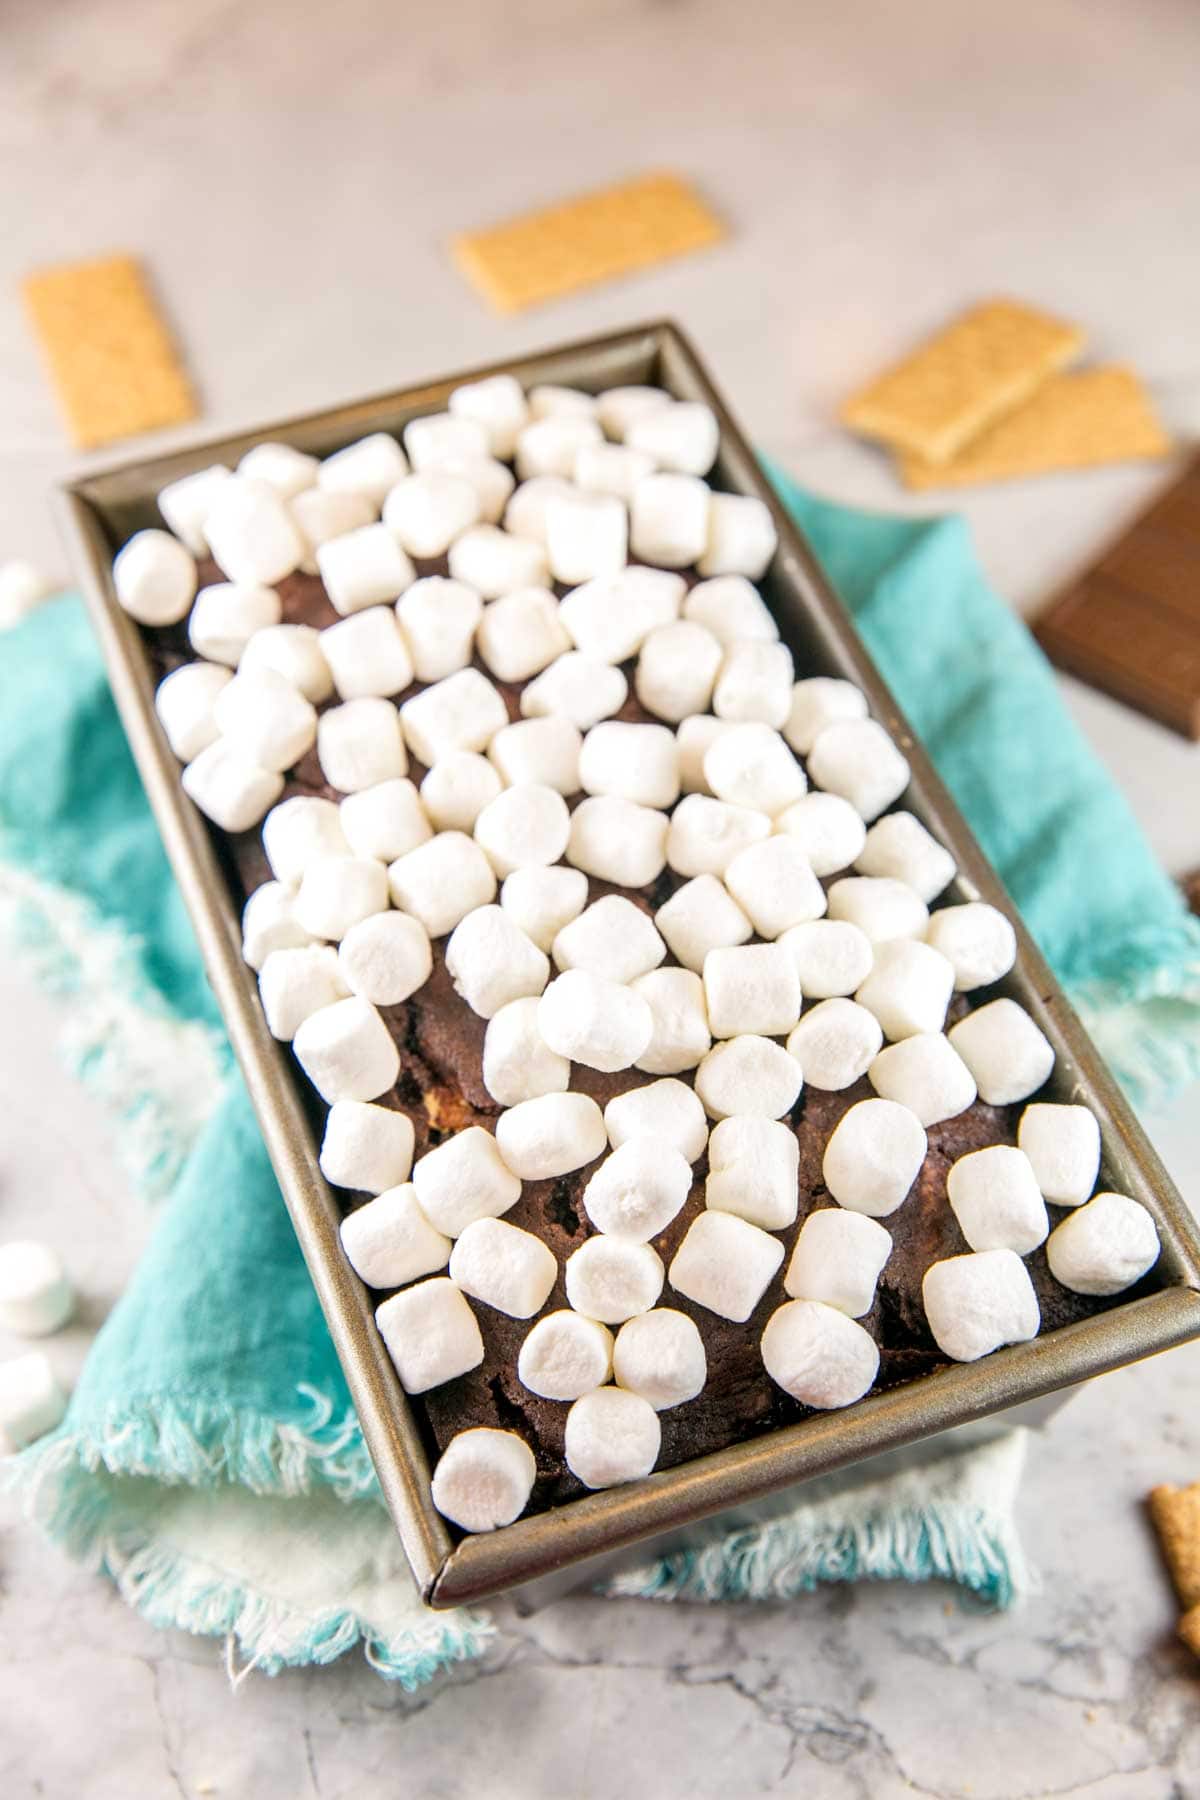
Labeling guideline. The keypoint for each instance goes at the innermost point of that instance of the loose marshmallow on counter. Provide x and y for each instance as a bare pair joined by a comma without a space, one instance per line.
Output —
838,1259
268,923
741,537
464,1179
298,831
385,958
725,1264
858,760
835,1044
252,534
817,1355
550,445
550,400
753,1171
462,712
431,1334
521,634
680,1037
635,762
638,1190
384,821
389,1241
565,1356
926,1074
321,515
360,745
32,1403
185,504
542,750
494,562
23,588
498,404
1063,1145
774,885
595,1022
751,988
899,845
184,703
668,520
682,437
827,829
523,827
525,514
750,765
818,701
228,788
576,688
873,1156
504,1267
832,957
616,840
369,467
293,984
543,901
484,1477
457,789
612,1279
610,1437
293,651
546,1137
979,941
491,961
610,618
611,469
701,916
676,669
367,1148
518,1064
347,1051
617,408
493,483
364,568
265,719
154,576
665,1110
1009,1056
225,617
881,907
587,536
1103,1247
754,683
995,1198
976,1303
425,513
429,441
286,470
336,892
748,1075
441,881
612,937
732,609
705,834
659,1355
908,989
35,1295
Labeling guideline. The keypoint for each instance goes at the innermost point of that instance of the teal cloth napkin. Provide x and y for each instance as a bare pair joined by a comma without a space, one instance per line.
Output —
211,1461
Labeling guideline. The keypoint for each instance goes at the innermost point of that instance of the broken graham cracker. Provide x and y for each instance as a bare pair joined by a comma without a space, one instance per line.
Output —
945,392
1175,1513
110,355
543,255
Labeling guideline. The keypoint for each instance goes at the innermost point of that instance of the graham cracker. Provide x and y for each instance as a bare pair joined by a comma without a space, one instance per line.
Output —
1175,1512
110,355
1077,420
543,255
942,395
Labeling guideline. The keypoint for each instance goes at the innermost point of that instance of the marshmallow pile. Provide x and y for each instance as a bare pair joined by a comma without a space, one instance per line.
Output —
36,1299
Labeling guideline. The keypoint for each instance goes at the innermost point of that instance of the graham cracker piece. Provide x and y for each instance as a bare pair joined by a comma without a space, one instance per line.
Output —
110,355
612,231
1078,420
953,385
1175,1513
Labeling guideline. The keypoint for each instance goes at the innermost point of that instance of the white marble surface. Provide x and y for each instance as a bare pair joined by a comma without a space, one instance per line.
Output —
292,174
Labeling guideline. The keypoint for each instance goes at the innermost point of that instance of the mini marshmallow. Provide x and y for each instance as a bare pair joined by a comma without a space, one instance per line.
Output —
751,988
979,941
346,1051
926,1074
300,830
611,1437
185,504
546,1137
431,440
616,840
612,1279
587,536
858,760
225,617
817,1355
732,609
595,1022
576,688
750,765
873,1156
1063,1146
32,1403
680,1037
425,513
154,577
336,892
286,470
818,701
668,520
35,1295
838,1259
755,682
268,923
695,736
463,712
504,1267
552,401
265,719
774,885
517,1062
908,989
523,827
320,515
491,961
369,467
542,750
659,1355
464,1179
294,984
363,568
749,1075
725,1264
881,907
835,1044
899,845
184,703
293,651
228,788
617,408
741,537
701,916
611,469
385,958
457,789
638,1190
498,404
667,1111
705,835
976,1303
525,514
23,589
385,821
550,445
682,437
431,1334
441,881
832,957
521,634
565,1356
1103,1247
367,1148
753,1171
635,762
493,483
827,829
613,938
994,1196
543,901
676,670
252,534
1009,1056
484,1477
389,1241
610,618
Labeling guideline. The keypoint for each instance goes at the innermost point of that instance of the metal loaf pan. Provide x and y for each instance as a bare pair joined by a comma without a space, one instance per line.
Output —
568,1543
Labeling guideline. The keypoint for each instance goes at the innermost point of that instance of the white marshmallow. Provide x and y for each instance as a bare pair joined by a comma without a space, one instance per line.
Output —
819,1356
268,923
701,916
384,821
667,1111
441,881
818,701
464,1179
336,892
297,832
979,941
576,688
550,445
611,1437
749,1075
838,1259
565,1356
552,401
774,884
750,765
431,1334
832,957
827,829
705,835
899,845
616,840
385,958
154,577
680,1037
493,483
635,762
542,750
293,651
185,504
265,719
873,1156
882,908
612,937
321,515
363,568
389,1241
23,589
520,634
751,988
595,1022
995,1198
523,827
184,703
31,1401
610,618
517,1062
484,1477
457,789
835,1044
617,408
226,615
976,1303
366,1148
286,470
525,514
550,1135
682,437
676,670
504,1267
695,735
659,1355
1009,1056
543,901
587,536
252,534
35,1295
431,440
369,467
725,1264
611,1279
498,404
908,989
1103,1247
741,537
926,1074
295,983
732,609
668,520
346,1051
228,788
425,513
491,961
638,1190
359,745
755,682
1063,1146
463,712
858,760
753,1171
611,469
